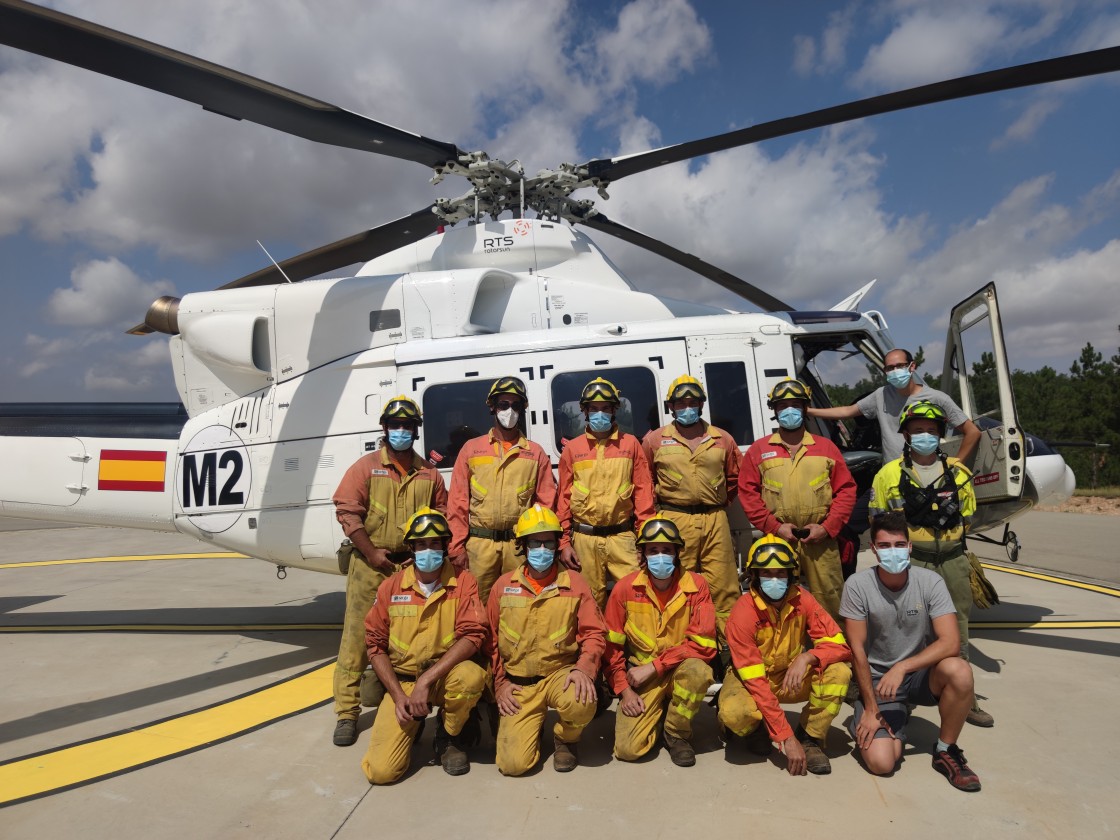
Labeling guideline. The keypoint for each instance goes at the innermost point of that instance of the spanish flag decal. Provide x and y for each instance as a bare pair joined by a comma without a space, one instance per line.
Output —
132,469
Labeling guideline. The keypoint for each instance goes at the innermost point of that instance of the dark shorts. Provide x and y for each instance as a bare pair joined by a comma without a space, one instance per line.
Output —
914,689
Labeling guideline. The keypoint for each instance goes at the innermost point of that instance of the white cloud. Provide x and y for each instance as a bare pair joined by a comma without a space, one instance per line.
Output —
103,292
1028,123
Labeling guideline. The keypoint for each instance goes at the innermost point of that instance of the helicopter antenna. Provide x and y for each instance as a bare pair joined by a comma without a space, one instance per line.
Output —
278,268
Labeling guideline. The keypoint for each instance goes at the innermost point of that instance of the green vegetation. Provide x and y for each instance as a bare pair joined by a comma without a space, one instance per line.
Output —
1078,413
1099,492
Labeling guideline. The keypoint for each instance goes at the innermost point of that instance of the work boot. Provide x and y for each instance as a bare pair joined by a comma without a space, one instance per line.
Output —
816,762
978,717
565,758
852,694
345,732
370,689
758,741
450,750
680,751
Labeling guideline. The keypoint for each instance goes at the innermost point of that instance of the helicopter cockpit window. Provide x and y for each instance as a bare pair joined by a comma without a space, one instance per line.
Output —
640,410
453,414
729,400
384,319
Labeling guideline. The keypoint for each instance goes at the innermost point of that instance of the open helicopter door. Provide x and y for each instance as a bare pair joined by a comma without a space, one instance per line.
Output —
977,377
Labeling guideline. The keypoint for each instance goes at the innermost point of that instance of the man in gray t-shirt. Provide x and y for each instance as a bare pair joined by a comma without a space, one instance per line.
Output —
886,404
902,628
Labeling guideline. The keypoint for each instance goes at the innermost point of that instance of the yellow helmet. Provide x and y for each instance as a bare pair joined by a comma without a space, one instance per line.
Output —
507,385
924,410
772,552
402,408
684,386
425,523
600,390
537,520
660,529
789,389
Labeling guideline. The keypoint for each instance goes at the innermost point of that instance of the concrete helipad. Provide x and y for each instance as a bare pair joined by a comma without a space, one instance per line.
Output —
181,694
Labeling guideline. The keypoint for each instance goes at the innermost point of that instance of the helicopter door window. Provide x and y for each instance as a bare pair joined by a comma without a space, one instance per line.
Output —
384,319
453,414
729,400
640,410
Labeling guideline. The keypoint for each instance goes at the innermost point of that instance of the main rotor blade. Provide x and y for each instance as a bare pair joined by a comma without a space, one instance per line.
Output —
1023,75
361,247
751,294
216,88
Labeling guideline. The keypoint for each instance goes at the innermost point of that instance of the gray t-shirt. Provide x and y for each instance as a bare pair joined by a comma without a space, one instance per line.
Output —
899,624
887,404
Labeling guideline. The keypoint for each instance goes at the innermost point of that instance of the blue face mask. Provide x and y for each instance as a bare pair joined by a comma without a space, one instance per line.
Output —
899,378
661,566
924,443
400,439
774,588
600,421
894,560
687,416
791,418
541,559
428,560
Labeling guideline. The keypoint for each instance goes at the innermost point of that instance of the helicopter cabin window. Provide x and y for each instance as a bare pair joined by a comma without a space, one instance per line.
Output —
453,414
840,370
384,319
729,400
640,410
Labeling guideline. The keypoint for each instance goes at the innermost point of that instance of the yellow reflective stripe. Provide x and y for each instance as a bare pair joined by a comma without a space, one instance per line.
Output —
398,644
673,474
478,487
826,690
718,480
513,634
684,711
617,638
581,487
686,695
820,479
703,641
528,485
640,636
821,703
838,639
379,506
464,695
449,638
643,657
622,488
772,483
751,672
559,634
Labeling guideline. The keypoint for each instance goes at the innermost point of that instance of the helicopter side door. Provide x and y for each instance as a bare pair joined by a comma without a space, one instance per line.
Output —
977,377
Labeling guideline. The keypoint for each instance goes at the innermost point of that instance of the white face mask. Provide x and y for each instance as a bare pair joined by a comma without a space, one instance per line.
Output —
508,417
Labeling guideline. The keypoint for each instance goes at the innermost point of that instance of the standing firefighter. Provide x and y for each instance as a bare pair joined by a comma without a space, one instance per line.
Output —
766,634
547,639
373,501
797,487
693,465
422,631
935,493
660,638
497,477
605,491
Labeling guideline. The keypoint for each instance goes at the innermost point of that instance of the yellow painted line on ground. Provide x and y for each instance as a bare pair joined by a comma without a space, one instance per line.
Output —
1042,625
67,767
203,555
163,628
1091,587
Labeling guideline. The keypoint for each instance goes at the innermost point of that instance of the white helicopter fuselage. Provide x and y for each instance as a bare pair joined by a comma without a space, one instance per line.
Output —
284,386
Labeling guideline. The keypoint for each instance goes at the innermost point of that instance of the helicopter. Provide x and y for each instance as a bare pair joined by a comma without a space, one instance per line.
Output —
282,376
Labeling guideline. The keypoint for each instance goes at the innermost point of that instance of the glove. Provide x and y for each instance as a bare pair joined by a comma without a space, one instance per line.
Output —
984,594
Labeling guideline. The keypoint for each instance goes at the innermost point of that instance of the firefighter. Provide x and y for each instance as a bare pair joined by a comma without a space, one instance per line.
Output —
373,501
421,633
935,492
661,637
546,638
605,493
497,477
693,465
797,487
766,633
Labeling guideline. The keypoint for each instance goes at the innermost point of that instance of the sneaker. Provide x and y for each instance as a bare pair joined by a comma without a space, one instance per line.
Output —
680,751
564,757
978,717
951,764
758,742
816,762
345,732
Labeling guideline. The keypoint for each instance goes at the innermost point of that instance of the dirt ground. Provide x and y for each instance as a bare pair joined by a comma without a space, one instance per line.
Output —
1089,504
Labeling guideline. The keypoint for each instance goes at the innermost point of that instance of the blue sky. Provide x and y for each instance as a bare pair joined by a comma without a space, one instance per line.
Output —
111,195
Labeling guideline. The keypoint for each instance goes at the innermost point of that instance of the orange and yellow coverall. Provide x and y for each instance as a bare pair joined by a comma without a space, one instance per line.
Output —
605,493
414,630
764,640
490,488
679,640
535,642
814,486
376,496
691,488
